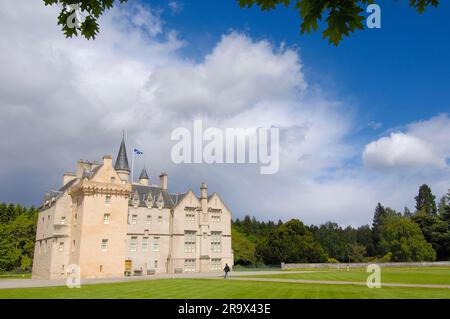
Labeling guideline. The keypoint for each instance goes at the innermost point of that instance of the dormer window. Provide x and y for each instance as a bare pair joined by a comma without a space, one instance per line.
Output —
160,201
149,200
135,199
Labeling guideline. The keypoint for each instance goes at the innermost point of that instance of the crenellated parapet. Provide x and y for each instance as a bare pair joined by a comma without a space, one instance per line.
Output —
91,188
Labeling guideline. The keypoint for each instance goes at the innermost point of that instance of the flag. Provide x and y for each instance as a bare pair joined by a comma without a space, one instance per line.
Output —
138,152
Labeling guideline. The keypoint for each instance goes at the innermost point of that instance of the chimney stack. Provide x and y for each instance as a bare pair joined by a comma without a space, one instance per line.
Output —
67,177
107,160
204,201
163,181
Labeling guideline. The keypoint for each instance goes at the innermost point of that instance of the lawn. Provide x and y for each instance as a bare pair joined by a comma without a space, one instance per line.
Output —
15,276
220,288
416,275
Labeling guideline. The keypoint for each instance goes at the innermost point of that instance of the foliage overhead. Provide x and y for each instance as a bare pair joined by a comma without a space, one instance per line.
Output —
90,10
342,17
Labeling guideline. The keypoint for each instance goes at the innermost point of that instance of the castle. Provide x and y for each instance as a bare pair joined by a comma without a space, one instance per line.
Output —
108,226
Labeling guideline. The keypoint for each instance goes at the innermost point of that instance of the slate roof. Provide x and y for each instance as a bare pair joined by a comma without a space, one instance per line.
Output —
122,159
143,192
143,174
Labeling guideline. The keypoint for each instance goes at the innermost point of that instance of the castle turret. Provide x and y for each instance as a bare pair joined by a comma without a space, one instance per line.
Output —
122,168
143,178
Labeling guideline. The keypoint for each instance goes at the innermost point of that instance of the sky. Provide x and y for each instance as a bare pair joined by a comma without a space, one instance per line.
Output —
365,122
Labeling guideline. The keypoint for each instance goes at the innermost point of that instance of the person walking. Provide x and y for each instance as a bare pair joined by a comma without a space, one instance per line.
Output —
226,270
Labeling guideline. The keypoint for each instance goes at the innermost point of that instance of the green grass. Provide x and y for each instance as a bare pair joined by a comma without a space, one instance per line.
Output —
219,288
15,276
416,275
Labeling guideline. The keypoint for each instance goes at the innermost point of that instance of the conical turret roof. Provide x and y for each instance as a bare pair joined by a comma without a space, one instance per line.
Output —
122,159
144,174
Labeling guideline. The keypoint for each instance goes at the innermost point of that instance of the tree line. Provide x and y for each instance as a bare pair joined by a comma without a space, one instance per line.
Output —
421,235
17,237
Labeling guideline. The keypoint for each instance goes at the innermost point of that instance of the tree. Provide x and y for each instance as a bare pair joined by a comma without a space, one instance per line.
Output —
291,242
426,201
341,16
364,237
332,239
243,248
93,9
404,239
440,230
17,237
378,216
356,252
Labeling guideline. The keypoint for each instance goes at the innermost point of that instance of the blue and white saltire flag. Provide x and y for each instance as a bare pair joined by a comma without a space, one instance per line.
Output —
138,152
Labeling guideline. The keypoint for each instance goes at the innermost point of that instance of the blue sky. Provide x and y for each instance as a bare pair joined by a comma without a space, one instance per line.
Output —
361,123
397,74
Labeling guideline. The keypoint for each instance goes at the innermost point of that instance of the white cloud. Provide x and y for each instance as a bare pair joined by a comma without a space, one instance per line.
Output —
64,99
175,7
424,143
400,149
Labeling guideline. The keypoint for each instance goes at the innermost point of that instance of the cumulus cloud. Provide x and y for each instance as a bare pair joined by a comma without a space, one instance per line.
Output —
400,149
424,143
64,99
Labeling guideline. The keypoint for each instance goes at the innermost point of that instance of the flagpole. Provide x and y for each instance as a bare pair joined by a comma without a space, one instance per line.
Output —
132,166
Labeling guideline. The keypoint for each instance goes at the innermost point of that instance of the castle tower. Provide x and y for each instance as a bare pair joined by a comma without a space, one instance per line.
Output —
143,178
121,166
99,222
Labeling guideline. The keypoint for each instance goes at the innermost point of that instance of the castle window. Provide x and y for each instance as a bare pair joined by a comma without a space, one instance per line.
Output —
63,220
145,243
190,216
61,246
133,243
156,244
108,199
134,219
216,245
113,179
189,241
216,215
104,246
159,219
189,265
106,219
149,219
73,245
216,264
156,264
